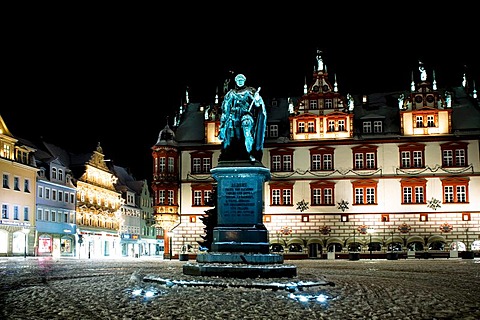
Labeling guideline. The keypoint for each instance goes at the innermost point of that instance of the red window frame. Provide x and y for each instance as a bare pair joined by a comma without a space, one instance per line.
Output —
454,183
200,155
364,149
365,184
413,183
202,188
322,151
454,146
281,186
411,148
281,152
322,185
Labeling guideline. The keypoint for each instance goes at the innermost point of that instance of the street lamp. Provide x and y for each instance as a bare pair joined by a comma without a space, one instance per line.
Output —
170,236
370,231
25,231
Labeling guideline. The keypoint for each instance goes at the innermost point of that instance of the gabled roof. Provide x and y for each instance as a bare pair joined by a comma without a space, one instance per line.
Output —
191,128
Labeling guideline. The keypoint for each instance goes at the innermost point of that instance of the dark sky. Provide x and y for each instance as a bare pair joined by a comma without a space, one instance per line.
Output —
115,84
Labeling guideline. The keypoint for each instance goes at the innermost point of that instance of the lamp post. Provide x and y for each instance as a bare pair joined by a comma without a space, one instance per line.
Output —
170,236
25,231
370,231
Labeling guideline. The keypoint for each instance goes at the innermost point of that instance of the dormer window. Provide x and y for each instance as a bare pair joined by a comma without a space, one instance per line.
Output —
331,125
301,127
430,121
454,154
54,173
419,122
313,104
367,127
281,160
273,131
328,104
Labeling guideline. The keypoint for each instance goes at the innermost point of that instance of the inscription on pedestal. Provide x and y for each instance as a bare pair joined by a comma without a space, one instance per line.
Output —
239,200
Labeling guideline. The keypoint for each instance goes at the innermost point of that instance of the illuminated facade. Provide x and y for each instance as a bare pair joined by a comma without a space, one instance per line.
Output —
55,218
17,195
137,228
99,219
165,187
386,171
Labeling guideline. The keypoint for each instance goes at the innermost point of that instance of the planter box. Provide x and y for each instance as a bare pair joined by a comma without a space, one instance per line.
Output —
454,254
183,257
392,255
354,256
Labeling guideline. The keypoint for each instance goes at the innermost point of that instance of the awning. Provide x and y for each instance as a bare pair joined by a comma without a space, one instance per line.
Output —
335,240
357,240
374,239
415,239
277,241
315,240
396,239
295,241
436,239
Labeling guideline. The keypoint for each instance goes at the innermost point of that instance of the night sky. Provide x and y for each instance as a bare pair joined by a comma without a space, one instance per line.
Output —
76,86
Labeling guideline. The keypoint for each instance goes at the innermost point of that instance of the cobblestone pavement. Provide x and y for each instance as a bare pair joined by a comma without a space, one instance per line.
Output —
45,288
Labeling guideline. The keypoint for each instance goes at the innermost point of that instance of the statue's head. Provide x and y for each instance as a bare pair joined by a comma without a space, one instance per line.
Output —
240,80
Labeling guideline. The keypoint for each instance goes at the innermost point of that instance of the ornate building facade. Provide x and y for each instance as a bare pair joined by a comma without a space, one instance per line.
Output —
396,171
17,195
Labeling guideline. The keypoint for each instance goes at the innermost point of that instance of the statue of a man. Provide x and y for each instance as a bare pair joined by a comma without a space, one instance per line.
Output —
242,123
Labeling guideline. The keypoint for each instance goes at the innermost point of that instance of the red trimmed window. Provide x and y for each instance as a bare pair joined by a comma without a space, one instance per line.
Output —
413,190
455,190
201,162
322,193
201,195
425,119
321,159
306,125
281,160
336,123
166,197
412,155
365,157
365,192
454,154
281,194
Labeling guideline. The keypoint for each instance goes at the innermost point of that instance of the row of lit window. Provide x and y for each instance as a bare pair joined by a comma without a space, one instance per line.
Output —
55,216
364,157
164,164
101,222
165,197
365,192
55,195
16,183
345,217
92,196
16,212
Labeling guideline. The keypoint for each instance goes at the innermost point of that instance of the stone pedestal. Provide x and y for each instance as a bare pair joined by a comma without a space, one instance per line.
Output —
240,246
240,227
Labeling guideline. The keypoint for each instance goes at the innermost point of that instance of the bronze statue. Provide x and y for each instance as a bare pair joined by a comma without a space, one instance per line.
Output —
243,123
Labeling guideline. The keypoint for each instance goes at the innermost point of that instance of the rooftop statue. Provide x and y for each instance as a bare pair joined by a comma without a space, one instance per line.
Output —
243,123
